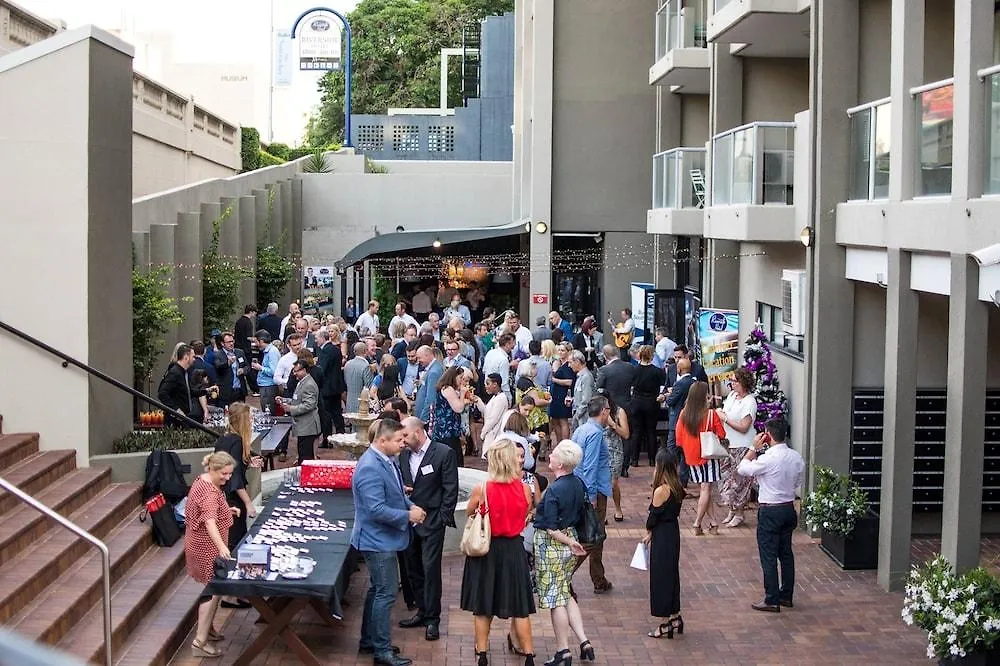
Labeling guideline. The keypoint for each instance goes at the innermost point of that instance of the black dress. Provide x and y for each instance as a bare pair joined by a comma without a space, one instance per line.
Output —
232,444
664,558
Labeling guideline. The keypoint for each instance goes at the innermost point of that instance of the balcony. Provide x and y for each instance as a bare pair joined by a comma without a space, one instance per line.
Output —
753,184
678,193
935,104
682,59
871,144
991,77
762,28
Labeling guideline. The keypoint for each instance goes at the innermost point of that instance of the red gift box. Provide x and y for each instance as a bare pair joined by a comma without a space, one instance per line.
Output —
327,473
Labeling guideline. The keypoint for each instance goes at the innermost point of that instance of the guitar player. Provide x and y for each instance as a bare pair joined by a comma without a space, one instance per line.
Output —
623,331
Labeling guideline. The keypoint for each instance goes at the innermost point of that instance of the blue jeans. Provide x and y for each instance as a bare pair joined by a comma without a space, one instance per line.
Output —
383,572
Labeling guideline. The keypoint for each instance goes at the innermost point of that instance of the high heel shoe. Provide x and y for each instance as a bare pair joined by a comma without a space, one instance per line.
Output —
736,521
484,659
678,624
713,529
665,629
697,530
529,660
561,658
514,649
587,651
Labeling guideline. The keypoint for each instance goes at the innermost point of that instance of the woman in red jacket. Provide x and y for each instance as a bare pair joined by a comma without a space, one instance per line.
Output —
695,419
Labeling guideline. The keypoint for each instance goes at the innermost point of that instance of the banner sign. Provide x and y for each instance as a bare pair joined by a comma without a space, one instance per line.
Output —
317,286
283,59
319,42
639,290
719,339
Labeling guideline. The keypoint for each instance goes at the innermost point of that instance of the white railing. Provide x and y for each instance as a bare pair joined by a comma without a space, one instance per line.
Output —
679,26
871,141
679,178
754,165
936,109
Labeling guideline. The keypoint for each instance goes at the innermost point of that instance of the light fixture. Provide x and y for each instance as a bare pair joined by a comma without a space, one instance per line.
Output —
437,242
541,227
806,236
527,227
400,229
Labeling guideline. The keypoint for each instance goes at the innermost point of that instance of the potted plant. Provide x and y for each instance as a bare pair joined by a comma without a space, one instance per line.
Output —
839,508
961,614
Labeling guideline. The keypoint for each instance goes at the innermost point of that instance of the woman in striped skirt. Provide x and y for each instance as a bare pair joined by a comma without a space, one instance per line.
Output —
695,419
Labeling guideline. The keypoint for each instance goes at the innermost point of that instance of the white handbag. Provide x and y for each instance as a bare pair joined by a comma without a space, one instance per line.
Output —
711,447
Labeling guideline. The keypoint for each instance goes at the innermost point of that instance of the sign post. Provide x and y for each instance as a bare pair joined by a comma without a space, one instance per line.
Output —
319,50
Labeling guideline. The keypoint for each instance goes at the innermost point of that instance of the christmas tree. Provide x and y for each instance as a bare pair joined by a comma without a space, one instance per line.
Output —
771,401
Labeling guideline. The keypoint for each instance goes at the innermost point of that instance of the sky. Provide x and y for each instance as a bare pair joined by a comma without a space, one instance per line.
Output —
229,34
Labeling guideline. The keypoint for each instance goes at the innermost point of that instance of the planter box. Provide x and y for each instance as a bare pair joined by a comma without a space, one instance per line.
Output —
856,551
973,659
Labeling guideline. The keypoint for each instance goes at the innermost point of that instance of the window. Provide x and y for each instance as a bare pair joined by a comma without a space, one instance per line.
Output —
769,317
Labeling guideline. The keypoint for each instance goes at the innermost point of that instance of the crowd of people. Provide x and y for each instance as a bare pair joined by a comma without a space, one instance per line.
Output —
515,397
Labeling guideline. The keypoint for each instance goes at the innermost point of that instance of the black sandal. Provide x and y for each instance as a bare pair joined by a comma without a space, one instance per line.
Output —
666,629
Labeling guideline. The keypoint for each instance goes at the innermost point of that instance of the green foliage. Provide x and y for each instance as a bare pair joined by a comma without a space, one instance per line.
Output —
304,151
167,438
250,148
383,291
273,273
221,278
267,159
317,163
372,167
397,58
152,314
835,504
279,150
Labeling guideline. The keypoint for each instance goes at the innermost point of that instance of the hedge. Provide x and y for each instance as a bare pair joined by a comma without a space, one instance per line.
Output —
166,438
250,148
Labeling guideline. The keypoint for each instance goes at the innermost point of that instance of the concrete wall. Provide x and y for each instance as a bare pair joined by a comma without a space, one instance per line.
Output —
68,161
341,210
939,40
874,30
774,89
629,258
694,121
604,115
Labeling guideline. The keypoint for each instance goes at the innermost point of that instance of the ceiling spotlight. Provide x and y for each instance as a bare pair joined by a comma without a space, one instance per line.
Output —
541,227
437,242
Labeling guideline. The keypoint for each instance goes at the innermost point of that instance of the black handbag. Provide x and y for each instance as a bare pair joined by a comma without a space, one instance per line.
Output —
590,531
166,531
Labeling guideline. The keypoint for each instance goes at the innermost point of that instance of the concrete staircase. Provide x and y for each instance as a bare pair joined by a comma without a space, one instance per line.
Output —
50,580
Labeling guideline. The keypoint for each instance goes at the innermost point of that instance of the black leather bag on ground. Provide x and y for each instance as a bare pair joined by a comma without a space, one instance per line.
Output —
166,531
590,531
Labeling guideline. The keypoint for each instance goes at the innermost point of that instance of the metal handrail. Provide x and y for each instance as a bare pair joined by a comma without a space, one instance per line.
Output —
83,534
868,105
927,87
69,360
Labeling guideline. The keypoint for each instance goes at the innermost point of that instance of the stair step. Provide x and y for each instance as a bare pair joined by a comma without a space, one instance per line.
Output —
162,632
57,580
35,473
24,525
14,448
132,598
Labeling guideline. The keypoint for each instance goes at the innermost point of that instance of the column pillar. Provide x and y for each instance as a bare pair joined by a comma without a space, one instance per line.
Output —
968,326
297,233
973,51
275,211
262,217
540,245
188,274
140,251
288,238
907,71
896,511
161,254
210,212
248,248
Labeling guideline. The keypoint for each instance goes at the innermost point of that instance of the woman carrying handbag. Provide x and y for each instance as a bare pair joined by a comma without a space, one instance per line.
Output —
698,429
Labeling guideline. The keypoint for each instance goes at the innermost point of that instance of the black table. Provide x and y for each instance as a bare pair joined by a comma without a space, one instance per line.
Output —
274,440
280,600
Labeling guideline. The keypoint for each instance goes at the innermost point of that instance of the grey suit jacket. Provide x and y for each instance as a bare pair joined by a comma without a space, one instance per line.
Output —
616,380
357,375
583,390
305,407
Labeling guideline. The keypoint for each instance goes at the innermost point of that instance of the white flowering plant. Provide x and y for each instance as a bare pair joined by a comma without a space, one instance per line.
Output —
961,614
835,504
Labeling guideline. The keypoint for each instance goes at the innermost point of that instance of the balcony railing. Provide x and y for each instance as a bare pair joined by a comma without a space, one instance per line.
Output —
679,26
679,178
719,4
870,148
753,165
991,76
935,103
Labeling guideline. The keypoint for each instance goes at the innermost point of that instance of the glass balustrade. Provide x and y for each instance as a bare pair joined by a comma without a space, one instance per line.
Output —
680,24
935,104
993,133
753,165
871,141
679,178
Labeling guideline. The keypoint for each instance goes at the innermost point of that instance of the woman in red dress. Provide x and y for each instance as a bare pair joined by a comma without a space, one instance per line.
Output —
208,518
695,419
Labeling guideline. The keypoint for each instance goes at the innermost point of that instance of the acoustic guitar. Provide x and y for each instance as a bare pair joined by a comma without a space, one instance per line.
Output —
623,340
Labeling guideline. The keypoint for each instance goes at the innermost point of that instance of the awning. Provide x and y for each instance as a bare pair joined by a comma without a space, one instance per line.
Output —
409,240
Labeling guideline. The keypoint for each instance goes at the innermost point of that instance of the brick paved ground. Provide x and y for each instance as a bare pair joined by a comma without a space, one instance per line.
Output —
839,617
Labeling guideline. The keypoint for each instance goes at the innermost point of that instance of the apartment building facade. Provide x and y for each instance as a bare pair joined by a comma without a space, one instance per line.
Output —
845,152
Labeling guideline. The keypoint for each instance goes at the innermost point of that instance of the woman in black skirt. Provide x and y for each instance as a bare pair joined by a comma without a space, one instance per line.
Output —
663,537
499,583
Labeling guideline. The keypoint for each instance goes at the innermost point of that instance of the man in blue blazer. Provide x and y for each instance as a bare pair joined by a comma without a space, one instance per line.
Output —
676,398
427,393
382,518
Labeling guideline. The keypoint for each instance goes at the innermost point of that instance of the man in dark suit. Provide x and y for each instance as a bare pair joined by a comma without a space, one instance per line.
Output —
330,362
698,372
231,368
243,331
615,379
271,322
430,470
676,397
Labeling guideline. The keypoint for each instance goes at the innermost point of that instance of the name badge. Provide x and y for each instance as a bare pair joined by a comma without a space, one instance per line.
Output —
426,469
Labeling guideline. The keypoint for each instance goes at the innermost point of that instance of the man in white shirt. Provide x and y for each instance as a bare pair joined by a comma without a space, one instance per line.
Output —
494,410
403,316
522,335
286,362
498,361
779,475
422,304
367,323
664,347
435,321
293,309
